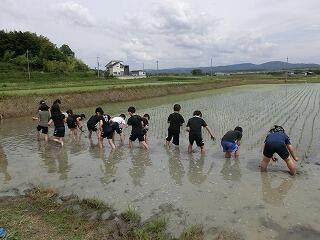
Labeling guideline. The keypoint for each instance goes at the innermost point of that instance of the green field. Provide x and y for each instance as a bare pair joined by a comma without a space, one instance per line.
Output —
15,82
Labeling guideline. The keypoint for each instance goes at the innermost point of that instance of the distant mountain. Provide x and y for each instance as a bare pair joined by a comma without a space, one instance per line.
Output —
243,67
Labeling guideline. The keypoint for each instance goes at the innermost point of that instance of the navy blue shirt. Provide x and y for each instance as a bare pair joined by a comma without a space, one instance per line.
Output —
278,137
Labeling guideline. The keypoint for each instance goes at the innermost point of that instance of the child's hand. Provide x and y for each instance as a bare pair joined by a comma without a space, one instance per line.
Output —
296,158
274,159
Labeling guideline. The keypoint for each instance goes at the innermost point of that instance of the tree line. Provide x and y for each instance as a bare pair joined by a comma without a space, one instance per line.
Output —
18,48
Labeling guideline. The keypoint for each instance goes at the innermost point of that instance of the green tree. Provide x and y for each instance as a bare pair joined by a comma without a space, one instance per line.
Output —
196,72
66,50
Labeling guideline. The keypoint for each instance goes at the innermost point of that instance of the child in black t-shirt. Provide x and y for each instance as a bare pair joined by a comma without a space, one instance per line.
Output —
93,122
106,130
194,127
175,120
145,120
74,122
58,119
137,128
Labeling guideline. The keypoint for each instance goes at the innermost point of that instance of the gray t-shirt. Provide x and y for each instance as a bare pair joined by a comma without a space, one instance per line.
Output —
44,118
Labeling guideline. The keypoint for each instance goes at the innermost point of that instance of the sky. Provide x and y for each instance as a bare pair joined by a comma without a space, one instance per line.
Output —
177,33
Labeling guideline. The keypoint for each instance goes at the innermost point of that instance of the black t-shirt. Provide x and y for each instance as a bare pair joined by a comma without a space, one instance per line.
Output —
232,136
278,137
135,122
145,122
176,120
71,121
195,124
58,119
93,120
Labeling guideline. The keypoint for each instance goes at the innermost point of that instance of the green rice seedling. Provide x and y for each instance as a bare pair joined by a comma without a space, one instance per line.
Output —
194,232
132,215
93,203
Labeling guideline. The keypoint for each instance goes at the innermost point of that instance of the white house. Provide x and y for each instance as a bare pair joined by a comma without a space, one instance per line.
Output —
138,73
117,68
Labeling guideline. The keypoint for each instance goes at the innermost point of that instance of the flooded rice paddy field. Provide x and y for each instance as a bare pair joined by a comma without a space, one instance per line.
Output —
220,194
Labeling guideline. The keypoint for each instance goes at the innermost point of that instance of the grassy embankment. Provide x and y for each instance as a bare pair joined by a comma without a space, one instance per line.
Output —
19,95
39,215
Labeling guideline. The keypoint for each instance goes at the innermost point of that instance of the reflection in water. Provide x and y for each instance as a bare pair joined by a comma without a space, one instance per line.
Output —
55,158
275,195
77,145
96,151
176,169
140,160
4,165
231,171
110,165
195,174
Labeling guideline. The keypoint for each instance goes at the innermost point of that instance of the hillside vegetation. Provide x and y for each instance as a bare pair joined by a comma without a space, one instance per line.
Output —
18,48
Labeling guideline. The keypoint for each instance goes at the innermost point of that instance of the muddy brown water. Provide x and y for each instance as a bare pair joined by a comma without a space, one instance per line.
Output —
222,195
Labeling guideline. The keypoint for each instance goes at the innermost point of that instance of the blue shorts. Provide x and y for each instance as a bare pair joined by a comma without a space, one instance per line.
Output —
229,146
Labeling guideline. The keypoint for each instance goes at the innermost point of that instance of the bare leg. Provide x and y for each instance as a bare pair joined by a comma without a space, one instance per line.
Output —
90,134
130,143
145,145
291,165
46,137
227,154
237,153
264,163
122,138
38,135
202,150
111,144
189,148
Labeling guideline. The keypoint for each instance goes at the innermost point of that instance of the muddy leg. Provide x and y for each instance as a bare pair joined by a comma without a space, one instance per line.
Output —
264,163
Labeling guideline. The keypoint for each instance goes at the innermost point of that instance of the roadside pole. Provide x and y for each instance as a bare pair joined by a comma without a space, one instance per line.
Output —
28,64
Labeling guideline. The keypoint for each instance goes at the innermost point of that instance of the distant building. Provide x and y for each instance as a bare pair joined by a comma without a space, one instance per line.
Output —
138,73
117,68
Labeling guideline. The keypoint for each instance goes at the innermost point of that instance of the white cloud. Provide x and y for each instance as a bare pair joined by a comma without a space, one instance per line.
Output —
177,33
74,13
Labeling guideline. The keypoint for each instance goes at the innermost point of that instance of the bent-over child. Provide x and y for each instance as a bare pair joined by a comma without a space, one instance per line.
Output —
230,142
58,119
137,128
277,141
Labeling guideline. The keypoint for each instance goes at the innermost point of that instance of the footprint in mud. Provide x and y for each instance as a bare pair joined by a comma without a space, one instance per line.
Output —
296,232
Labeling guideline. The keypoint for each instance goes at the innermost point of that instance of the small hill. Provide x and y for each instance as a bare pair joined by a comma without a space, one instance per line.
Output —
242,67
20,48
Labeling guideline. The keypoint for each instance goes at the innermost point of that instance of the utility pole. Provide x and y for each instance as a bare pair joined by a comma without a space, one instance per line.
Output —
142,66
157,68
28,64
287,70
211,67
98,58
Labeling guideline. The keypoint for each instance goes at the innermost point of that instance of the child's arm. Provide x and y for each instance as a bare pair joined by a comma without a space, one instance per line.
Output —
210,132
50,122
292,152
